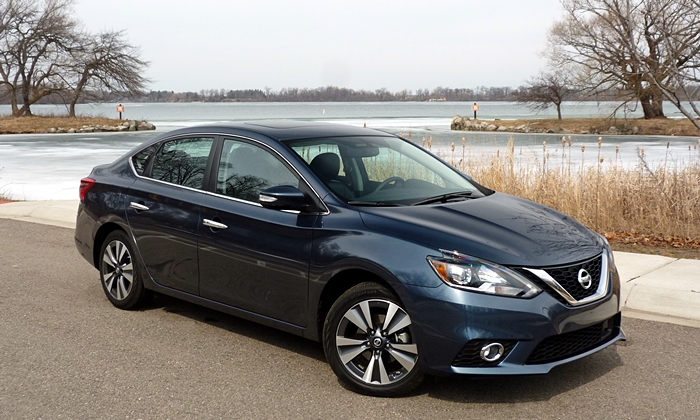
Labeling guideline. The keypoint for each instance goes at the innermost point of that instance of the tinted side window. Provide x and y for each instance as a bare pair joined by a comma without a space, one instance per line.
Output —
246,169
140,160
182,161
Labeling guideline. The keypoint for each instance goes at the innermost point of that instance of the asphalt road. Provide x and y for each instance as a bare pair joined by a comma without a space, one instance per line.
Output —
65,352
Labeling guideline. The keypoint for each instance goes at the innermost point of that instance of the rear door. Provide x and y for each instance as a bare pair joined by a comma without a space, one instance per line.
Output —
163,211
250,257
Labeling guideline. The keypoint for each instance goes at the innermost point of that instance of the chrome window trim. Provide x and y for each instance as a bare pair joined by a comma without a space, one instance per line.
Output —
228,197
176,185
603,284
223,136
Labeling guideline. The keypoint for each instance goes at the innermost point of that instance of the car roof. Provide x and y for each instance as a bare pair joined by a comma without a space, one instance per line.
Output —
280,129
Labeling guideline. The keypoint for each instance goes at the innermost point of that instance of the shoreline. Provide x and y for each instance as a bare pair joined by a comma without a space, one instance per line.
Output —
567,126
49,125
600,126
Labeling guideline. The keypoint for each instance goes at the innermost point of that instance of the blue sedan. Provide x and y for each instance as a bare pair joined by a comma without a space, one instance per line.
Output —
400,265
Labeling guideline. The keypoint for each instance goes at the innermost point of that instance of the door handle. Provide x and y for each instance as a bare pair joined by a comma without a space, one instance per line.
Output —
213,224
137,206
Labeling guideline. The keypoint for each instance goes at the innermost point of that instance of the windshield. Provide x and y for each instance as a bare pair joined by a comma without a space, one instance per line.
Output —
383,171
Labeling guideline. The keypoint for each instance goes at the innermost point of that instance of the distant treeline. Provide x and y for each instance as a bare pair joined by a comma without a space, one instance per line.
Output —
334,94
321,94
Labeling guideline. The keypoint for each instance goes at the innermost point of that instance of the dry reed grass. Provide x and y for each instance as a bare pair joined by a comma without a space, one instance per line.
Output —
4,196
607,197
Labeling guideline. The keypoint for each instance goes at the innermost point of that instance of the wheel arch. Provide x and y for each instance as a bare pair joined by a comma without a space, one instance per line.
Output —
100,236
338,284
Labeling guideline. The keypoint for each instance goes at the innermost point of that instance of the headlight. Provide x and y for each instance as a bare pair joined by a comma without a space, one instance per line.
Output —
608,250
473,274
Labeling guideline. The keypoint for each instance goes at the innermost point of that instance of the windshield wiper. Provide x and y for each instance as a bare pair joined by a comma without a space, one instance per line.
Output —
373,204
444,198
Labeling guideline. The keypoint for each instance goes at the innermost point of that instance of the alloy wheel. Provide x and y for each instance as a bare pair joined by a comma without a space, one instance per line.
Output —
374,342
117,270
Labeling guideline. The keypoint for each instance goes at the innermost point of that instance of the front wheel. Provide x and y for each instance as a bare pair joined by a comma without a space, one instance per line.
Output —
119,273
369,342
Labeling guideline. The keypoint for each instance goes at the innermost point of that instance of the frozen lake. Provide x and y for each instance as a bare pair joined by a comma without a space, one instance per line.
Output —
50,166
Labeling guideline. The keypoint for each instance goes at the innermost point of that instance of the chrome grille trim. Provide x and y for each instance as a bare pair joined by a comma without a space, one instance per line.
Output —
603,284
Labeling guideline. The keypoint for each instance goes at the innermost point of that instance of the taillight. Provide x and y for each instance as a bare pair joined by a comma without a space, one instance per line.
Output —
85,185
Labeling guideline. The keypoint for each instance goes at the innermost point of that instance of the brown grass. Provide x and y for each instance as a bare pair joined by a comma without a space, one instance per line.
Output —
39,124
667,250
654,206
659,126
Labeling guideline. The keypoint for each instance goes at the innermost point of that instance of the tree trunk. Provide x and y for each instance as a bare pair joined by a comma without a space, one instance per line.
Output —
559,111
652,104
25,110
78,91
13,103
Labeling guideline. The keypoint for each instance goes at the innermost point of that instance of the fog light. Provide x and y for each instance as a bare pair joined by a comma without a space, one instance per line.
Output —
492,352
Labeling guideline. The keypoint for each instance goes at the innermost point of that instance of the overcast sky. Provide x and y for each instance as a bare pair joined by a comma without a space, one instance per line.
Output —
393,44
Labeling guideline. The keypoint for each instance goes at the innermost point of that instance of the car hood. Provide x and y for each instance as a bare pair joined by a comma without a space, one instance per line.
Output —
499,228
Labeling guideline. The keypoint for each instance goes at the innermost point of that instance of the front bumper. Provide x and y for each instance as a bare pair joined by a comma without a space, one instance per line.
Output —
538,334
528,357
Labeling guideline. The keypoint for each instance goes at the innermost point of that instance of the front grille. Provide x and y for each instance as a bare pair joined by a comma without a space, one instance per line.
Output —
469,356
569,344
567,277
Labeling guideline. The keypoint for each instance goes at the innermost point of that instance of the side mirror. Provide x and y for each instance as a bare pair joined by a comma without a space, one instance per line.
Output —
282,198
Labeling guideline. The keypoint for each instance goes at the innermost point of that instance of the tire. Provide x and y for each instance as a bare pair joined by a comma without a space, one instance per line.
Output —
377,359
120,275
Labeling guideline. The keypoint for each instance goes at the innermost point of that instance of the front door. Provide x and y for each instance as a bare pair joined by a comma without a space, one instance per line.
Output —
250,257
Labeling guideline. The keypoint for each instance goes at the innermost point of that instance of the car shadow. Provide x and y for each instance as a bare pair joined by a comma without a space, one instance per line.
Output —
238,325
466,389
517,389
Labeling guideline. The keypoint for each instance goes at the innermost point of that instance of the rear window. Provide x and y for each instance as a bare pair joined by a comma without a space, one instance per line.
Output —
182,161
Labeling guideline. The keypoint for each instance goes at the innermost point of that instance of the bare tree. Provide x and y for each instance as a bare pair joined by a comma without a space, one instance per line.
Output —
677,32
34,45
106,62
640,49
42,53
545,90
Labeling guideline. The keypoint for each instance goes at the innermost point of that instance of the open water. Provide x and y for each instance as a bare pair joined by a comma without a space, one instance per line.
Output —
50,166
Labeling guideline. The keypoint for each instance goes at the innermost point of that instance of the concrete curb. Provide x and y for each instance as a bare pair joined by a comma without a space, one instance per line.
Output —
652,287
55,213
652,284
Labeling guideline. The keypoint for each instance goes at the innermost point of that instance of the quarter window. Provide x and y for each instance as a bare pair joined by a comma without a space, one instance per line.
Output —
246,169
182,161
140,160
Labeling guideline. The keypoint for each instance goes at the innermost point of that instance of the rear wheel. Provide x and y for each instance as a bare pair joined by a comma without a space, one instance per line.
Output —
369,342
119,273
